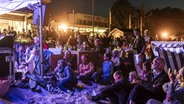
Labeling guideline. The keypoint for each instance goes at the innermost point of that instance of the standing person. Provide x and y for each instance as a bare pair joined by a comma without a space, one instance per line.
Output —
117,92
67,80
52,34
138,47
140,93
86,70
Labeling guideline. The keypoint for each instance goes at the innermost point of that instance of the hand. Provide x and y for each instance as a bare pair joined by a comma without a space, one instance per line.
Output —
172,77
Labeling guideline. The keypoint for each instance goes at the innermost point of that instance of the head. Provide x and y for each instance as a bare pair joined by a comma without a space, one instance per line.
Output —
180,76
132,76
158,64
84,58
146,66
118,75
97,42
115,53
36,40
107,56
137,32
146,32
67,54
85,44
21,48
61,63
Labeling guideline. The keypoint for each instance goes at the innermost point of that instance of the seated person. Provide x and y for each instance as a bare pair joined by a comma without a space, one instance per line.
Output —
126,65
4,87
171,88
19,56
133,78
86,70
67,80
105,75
116,60
143,70
69,59
117,92
140,93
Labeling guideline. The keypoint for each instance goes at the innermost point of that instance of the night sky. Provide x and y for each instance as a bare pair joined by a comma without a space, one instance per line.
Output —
102,6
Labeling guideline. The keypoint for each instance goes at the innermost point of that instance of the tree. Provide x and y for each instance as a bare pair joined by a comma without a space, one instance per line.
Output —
166,19
120,14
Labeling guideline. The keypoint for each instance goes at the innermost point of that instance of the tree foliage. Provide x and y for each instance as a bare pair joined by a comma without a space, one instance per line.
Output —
120,13
166,19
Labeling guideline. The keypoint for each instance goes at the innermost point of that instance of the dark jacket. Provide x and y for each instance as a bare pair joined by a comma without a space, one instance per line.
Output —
155,85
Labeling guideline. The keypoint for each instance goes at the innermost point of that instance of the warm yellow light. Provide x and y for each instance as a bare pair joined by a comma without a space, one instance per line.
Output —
164,35
64,27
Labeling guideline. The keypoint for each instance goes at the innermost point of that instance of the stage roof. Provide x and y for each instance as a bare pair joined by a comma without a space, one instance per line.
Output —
7,6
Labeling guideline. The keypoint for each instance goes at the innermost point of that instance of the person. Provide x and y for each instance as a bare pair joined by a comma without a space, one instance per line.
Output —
98,47
105,75
138,47
69,59
134,78
36,72
36,43
116,60
86,70
19,56
4,87
140,93
67,80
52,34
117,92
125,64
85,46
146,35
72,41
174,95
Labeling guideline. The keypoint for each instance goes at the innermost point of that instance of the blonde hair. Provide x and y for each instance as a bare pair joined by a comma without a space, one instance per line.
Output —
181,78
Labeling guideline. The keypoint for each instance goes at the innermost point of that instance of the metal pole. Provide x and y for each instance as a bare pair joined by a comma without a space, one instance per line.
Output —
130,21
93,17
73,19
110,20
41,46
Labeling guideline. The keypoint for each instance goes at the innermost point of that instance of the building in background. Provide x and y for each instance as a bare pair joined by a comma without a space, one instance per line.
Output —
81,22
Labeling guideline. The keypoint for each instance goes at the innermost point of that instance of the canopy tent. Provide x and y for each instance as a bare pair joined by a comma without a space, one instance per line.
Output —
12,5
172,52
7,6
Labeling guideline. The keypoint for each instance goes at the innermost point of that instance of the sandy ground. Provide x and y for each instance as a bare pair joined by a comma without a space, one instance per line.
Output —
26,96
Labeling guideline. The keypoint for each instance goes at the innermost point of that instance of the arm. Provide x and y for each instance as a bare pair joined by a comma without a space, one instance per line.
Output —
67,71
80,69
91,69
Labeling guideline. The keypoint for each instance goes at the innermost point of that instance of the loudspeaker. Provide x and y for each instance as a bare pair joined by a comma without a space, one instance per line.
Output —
6,65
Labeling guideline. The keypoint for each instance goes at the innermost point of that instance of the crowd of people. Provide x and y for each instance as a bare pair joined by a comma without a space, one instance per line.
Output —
129,71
